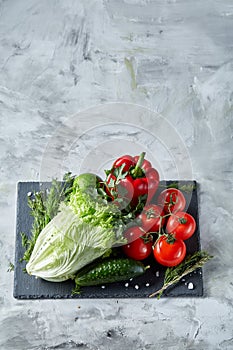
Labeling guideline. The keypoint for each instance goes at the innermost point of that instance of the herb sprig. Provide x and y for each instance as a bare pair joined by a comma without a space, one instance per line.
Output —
188,188
44,206
176,273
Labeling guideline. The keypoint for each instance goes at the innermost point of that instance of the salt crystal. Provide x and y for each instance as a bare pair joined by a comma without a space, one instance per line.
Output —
136,287
190,285
157,274
127,285
147,284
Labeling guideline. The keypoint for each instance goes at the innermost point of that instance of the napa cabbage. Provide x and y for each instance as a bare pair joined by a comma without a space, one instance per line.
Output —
85,228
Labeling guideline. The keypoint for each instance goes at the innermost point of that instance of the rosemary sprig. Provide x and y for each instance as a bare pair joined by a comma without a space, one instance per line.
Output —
174,274
44,206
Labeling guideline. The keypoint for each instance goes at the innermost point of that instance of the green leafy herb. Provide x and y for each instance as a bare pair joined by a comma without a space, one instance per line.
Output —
188,188
24,238
68,179
11,267
38,211
174,274
120,175
44,206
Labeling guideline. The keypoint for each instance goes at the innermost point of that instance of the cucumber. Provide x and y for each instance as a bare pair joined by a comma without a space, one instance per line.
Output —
108,271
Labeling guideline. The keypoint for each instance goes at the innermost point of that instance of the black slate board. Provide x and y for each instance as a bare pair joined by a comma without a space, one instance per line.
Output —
28,287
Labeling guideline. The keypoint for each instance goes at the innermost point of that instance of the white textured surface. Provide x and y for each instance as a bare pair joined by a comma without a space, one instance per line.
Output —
176,57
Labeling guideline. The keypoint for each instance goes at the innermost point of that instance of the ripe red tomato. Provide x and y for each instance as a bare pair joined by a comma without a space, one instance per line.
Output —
127,160
139,245
182,225
152,218
171,200
140,187
152,176
124,189
169,254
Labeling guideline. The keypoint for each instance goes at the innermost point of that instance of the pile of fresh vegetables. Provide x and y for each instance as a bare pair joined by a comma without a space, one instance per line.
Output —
80,224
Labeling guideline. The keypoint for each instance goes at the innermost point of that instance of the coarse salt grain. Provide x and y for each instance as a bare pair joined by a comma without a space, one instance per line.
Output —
136,287
127,285
190,285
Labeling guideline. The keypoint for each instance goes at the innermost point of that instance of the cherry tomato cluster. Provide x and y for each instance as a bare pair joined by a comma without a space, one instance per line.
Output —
162,230
161,227
130,180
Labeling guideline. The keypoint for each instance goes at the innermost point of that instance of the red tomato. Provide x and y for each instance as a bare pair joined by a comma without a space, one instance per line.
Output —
182,225
127,160
172,200
152,176
169,254
151,218
140,187
124,189
139,245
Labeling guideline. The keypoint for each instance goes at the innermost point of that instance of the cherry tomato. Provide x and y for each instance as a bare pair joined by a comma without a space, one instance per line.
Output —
144,178
152,176
139,245
172,200
152,218
169,253
140,187
124,189
182,225
127,160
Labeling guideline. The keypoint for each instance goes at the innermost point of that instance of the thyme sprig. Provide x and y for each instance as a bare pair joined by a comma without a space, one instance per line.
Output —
176,273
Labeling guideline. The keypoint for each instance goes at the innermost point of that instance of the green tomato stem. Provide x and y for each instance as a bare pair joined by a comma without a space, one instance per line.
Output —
182,220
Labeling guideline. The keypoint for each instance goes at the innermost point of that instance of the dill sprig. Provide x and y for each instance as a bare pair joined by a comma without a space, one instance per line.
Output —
174,274
44,206
11,267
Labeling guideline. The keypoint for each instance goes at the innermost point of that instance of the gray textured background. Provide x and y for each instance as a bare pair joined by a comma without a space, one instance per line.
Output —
175,57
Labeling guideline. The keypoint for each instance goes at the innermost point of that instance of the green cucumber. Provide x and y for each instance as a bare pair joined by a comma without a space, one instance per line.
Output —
108,271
